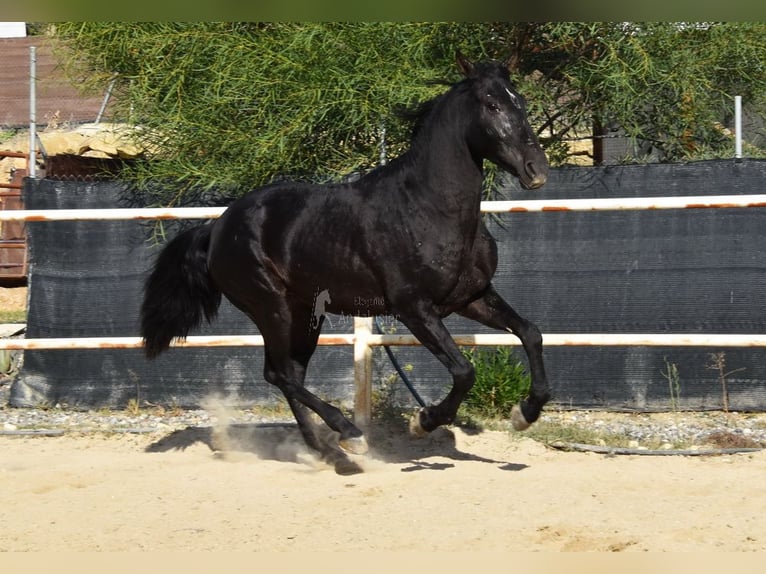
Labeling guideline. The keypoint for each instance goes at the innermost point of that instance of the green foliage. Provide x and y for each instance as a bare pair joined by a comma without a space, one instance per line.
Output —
501,382
238,104
241,104
667,84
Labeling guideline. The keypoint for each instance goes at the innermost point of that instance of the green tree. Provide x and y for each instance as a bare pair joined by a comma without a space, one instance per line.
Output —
670,85
239,104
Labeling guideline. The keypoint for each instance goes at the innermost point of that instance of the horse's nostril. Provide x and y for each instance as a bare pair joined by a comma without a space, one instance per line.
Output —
536,176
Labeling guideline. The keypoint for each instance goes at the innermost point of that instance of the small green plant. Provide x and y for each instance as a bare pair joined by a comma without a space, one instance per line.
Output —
385,407
501,382
718,364
674,383
133,408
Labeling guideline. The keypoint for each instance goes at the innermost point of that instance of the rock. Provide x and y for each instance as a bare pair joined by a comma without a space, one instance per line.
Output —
57,143
104,140
95,153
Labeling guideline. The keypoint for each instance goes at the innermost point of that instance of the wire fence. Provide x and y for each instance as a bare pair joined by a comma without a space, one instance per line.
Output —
59,103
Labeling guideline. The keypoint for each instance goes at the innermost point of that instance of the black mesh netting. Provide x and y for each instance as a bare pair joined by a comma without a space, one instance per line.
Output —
662,271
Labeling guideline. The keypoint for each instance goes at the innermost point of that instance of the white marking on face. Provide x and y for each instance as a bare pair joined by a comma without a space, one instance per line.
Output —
512,97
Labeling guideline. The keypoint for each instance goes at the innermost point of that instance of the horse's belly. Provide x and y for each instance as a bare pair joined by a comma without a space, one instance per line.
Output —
350,289
474,276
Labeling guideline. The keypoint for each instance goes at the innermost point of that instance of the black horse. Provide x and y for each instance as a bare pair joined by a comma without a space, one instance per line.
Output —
406,240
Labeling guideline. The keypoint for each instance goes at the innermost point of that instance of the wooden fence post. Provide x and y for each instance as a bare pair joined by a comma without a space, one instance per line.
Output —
362,372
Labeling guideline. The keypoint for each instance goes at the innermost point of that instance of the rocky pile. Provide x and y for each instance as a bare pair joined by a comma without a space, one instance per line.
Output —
101,140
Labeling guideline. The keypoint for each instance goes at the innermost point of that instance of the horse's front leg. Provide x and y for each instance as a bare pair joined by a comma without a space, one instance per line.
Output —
493,311
427,326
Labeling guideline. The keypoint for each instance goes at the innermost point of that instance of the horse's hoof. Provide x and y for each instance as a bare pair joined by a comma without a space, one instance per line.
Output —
416,429
517,419
346,467
354,445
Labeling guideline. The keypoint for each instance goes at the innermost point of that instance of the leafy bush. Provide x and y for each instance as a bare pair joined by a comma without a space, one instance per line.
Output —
501,381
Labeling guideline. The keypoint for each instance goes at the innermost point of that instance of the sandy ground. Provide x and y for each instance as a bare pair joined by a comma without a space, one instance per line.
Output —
256,488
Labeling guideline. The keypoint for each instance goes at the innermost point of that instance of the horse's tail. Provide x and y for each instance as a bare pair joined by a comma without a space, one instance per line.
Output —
179,292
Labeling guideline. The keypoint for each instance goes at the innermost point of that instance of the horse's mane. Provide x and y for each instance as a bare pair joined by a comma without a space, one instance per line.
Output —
416,114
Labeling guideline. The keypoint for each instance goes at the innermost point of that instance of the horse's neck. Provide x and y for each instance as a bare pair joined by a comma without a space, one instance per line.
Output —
449,176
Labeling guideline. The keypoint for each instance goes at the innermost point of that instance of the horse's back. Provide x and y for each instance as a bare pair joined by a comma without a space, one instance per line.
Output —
293,237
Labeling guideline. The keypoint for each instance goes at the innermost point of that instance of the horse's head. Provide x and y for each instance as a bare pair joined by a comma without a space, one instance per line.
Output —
500,131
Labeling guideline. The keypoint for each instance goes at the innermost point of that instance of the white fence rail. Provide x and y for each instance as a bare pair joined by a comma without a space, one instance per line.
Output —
604,204
363,339
376,340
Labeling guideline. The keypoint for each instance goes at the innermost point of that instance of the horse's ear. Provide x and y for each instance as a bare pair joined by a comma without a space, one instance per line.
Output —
464,64
511,63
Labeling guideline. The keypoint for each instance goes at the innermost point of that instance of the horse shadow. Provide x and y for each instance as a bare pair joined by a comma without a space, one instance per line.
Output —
390,442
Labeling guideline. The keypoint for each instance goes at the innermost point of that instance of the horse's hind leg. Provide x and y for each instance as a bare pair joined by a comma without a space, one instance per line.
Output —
290,339
493,311
330,454
340,461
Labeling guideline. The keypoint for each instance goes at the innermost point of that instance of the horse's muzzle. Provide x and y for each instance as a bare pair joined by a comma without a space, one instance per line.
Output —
535,174
537,182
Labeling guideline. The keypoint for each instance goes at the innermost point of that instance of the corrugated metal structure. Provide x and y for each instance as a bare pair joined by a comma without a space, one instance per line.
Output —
59,103
13,245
